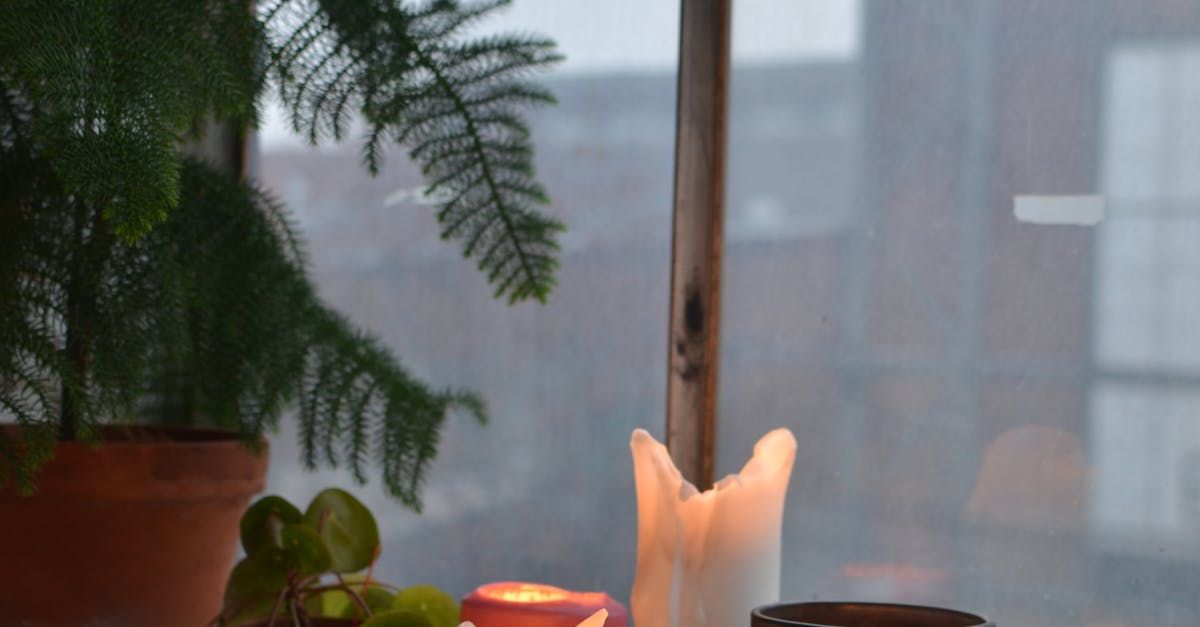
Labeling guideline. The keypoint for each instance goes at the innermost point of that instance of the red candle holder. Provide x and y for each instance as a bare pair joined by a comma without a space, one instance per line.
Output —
520,604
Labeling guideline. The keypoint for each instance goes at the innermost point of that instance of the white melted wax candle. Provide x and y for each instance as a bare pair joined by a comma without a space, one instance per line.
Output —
706,559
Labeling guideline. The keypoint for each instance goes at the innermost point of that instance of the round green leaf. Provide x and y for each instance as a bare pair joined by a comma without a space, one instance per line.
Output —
346,526
378,599
264,520
397,618
431,602
306,552
338,604
254,585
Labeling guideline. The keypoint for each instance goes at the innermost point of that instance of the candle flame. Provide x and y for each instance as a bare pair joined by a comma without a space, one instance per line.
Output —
526,593
535,593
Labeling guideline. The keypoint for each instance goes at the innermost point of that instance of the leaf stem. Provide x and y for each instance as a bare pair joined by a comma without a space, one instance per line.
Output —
275,607
358,600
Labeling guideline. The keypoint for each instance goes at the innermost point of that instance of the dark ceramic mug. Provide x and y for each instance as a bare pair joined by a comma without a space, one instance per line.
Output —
861,615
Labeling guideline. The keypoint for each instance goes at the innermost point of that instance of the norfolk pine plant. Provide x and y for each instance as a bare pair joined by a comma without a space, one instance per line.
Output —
138,284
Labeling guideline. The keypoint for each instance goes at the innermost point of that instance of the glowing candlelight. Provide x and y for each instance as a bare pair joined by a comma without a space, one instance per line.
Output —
518,604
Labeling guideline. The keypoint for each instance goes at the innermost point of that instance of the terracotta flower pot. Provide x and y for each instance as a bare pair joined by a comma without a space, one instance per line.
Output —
141,531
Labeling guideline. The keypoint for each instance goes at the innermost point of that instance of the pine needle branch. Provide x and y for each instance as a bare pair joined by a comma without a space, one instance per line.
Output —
341,377
414,78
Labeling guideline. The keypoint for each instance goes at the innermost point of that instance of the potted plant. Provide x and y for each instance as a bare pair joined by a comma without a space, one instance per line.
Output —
316,567
159,306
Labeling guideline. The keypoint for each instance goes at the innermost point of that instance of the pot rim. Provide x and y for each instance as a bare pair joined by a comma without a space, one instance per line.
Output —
181,464
136,434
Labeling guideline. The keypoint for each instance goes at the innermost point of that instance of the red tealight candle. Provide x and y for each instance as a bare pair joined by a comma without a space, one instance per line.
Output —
517,604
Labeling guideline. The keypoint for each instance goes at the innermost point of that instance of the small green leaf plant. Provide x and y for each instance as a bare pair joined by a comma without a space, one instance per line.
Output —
319,563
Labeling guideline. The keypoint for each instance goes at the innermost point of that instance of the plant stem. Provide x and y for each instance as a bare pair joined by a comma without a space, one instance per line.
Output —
76,356
275,608
371,567
358,600
295,607
92,243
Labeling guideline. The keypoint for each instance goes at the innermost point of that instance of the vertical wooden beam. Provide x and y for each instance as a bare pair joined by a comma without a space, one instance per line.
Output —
699,215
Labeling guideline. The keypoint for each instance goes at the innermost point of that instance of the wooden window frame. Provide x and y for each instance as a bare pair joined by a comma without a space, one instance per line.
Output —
697,236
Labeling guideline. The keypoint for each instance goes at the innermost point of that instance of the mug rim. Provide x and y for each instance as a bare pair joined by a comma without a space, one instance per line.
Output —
759,613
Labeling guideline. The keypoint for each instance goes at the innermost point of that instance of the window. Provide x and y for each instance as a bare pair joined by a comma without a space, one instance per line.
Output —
1149,266
1146,438
992,414
544,492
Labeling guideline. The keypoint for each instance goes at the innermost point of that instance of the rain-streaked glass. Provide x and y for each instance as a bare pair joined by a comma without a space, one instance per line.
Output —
544,492
993,414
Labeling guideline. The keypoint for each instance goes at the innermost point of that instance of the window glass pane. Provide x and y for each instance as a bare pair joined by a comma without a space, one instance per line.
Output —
1146,497
544,492
992,414
1148,263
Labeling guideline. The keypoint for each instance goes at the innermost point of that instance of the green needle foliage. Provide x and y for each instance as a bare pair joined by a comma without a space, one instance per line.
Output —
116,83
139,283
455,103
